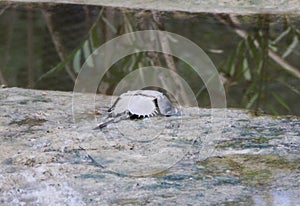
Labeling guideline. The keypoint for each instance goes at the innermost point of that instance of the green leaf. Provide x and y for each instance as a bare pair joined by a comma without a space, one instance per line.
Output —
273,110
259,67
260,40
246,70
77,61
127,24
241,48
127,63
253,50
280,101
240,56
138,59
94,32
229,66
252,100
248,92
94,38
291,47
86,49
273,47
283,34
109,24
87,54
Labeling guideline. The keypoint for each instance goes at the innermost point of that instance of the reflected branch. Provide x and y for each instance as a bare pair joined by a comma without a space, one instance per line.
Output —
30,46
58,43
8,44
6,7
234,23
164,42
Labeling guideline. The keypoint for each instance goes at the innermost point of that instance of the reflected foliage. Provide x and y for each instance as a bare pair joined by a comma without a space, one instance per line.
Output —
259,63
45,46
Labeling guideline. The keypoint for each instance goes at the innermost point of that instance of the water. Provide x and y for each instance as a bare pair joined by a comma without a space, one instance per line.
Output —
35,39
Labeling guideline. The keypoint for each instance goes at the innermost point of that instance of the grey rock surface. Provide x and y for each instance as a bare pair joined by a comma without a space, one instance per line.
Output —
210,6
200,158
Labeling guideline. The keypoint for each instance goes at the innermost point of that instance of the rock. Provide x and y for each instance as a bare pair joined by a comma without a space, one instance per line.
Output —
46,158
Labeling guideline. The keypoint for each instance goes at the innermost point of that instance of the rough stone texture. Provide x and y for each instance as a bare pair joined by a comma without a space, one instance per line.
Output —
47,159
211,6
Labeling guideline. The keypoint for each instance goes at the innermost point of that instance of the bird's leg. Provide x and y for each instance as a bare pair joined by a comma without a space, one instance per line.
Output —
114,120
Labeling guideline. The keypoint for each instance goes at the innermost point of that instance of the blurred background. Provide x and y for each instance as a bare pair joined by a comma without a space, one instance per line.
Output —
43,46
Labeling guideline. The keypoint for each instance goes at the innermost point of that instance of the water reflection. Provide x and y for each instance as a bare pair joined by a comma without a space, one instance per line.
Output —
44,47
